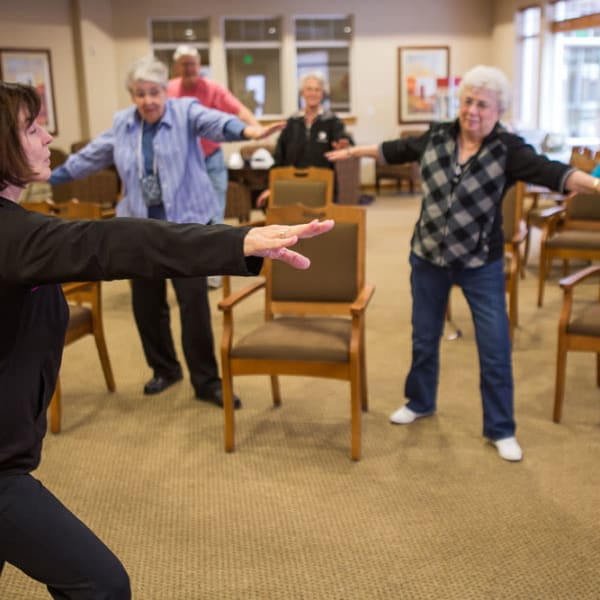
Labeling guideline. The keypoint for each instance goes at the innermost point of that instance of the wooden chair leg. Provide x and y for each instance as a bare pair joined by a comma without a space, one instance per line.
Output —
542,275
275,390
104,359
356,411
364,392
598,370
559,389
55,409
228,410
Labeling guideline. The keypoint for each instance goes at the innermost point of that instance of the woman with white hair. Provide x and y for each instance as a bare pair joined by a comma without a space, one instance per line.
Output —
467,165
311,132
154,145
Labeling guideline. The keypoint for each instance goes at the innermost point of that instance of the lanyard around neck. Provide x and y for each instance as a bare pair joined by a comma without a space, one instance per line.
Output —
141,155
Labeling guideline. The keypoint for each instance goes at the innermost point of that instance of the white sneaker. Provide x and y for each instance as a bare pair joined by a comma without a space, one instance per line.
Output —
214,282
509,449
404,416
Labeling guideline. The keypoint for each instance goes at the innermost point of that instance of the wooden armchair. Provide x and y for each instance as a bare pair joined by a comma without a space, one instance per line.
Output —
314,321
578,236
578,331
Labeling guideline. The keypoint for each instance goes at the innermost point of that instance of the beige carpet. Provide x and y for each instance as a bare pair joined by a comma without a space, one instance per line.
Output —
429,512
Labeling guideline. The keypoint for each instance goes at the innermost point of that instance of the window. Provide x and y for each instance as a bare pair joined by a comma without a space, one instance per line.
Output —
576,69
252,53
527,67
323,44
167,34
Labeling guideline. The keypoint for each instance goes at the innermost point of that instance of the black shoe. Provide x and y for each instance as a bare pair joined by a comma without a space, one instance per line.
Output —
159,383
215,396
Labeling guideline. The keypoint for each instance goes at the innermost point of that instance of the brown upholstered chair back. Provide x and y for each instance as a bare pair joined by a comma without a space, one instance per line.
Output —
312,186
583,207
332,275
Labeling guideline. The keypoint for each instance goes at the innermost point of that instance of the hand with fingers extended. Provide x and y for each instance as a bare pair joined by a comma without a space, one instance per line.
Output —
273,241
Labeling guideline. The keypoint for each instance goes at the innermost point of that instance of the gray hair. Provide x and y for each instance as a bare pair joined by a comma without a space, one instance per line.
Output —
185,50
317,77
148,68
488,78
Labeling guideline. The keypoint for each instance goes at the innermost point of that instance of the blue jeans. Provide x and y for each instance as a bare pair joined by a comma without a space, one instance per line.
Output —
483,289
217,172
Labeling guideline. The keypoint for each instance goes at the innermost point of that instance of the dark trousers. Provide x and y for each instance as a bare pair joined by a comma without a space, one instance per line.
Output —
40,536
152,316
483,288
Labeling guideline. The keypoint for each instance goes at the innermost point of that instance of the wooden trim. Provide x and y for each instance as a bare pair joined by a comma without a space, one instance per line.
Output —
586,22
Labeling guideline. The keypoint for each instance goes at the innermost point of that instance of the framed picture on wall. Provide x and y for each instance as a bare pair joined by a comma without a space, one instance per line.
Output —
32,67
419,68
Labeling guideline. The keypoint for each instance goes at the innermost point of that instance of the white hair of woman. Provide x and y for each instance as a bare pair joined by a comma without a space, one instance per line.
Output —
315,76
488,78
150,69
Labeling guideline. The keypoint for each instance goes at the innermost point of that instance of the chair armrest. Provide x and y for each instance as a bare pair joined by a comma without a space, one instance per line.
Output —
569,282
74,287
362,300
551,211
227,304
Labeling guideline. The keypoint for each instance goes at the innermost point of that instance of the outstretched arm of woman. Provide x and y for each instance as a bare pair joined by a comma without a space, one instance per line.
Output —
273,241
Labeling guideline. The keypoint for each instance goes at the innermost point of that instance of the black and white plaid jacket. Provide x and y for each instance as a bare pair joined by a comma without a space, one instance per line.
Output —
460,224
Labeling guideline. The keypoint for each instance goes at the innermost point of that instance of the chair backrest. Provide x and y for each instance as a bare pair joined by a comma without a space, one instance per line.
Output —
57,157
337,269
81,210
312,186
512,210
583,212
46,207
583,158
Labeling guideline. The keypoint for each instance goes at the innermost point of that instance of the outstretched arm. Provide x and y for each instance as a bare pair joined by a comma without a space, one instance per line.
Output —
358,151
273,241
258,132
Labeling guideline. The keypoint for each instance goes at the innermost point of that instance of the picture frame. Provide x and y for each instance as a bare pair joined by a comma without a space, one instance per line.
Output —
419,68
32,67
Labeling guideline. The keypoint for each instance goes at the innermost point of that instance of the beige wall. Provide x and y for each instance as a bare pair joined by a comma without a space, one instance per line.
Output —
90,60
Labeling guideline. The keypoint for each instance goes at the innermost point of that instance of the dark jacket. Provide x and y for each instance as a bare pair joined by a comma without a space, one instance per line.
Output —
301,147
460,224
37,252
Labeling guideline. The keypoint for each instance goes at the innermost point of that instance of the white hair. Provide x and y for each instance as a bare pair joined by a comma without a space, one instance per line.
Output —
148,68
488,78
185,50
317,77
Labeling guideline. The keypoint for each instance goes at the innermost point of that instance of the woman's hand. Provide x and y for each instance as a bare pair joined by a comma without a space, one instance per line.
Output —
258,132
262,199
273,241
350,151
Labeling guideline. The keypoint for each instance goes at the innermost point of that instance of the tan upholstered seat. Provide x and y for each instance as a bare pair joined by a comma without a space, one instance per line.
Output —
577,237
578,330
314,320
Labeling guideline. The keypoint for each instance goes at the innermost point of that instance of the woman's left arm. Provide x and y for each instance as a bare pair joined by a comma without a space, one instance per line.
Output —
579,181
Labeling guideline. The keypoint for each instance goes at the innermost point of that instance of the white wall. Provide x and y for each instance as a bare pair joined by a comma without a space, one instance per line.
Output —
91,58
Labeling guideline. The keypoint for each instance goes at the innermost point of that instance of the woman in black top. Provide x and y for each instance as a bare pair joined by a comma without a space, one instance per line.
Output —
37,252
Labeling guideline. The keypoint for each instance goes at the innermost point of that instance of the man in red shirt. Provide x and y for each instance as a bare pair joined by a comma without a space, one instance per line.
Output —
210,95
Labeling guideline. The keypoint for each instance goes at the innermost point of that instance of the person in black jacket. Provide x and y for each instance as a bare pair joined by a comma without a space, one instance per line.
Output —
466,167
309,133
38,534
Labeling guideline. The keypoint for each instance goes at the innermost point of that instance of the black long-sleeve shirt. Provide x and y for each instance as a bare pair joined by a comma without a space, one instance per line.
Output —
38,252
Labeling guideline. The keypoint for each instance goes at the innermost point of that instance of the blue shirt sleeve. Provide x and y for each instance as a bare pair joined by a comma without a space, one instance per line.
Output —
234,129
59,175
596,171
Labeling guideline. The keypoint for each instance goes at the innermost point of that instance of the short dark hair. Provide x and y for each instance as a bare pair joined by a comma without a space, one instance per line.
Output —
14,166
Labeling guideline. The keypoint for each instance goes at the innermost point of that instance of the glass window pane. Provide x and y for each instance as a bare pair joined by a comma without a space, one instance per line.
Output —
530,21
180,31
253,76
333,64
314,29
252,30
581,90
571,9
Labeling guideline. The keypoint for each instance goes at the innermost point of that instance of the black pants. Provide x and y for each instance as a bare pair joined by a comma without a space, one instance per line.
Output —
152,316
40,536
